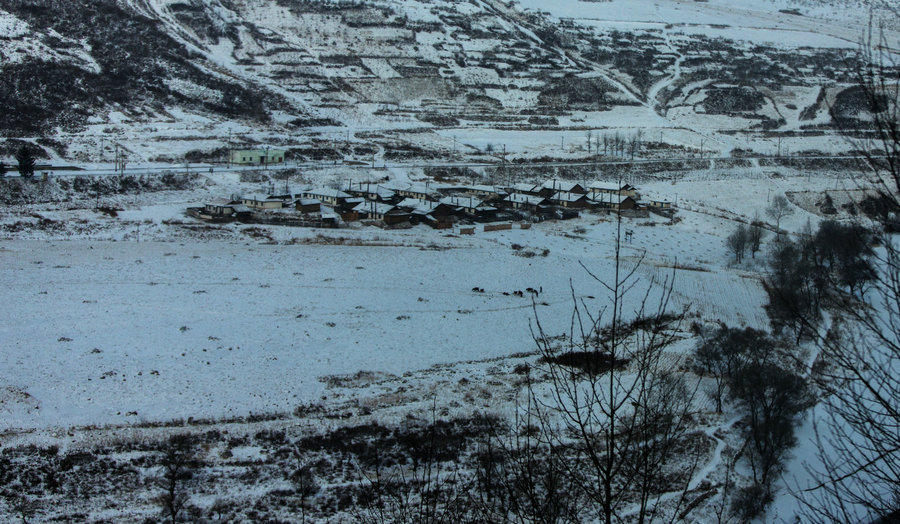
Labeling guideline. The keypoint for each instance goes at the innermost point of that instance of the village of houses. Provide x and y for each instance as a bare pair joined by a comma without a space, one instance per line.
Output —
440,206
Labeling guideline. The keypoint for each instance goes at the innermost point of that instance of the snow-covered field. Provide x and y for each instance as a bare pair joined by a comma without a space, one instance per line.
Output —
143,319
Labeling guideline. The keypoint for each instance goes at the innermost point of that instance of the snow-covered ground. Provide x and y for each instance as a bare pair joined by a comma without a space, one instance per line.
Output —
144,318
815,24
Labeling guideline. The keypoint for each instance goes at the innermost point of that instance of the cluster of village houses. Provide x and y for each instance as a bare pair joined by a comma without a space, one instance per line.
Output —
439,206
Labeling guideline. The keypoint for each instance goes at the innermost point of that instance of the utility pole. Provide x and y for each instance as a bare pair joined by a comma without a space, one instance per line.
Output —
503,165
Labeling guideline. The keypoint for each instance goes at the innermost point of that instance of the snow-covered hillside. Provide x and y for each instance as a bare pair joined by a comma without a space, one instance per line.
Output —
410,79
305,361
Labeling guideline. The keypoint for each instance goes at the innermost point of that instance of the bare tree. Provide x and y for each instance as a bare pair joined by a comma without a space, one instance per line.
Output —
303,480
772,397
718,356
778,209
521,480
615,407
177,463
632,147
737,242
425,492
755,235
793,290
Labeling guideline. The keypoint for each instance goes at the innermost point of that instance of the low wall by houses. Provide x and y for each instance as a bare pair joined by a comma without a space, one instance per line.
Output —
635,213
289,221
665,213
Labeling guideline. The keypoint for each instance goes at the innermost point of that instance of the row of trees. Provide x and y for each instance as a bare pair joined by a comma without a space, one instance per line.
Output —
616,144
25,162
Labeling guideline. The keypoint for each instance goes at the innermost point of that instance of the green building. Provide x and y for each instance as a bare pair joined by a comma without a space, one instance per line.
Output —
257,156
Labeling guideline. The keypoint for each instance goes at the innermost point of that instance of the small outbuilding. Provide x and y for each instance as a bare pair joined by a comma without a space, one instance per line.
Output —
308,205
221,211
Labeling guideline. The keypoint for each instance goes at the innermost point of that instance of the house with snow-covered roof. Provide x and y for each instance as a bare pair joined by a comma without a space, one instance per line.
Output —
262,202
420,191
551,187
570,200
370,191
524,188
468,205
435,214
333,197
488,193
308,205
613,202
611,188
261,156
223,210
525,202
386,213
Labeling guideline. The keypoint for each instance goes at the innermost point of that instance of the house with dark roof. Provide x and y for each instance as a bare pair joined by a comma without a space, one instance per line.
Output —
435,214
386,213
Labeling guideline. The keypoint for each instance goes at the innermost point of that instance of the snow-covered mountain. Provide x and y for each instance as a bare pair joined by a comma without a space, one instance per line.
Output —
421,78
